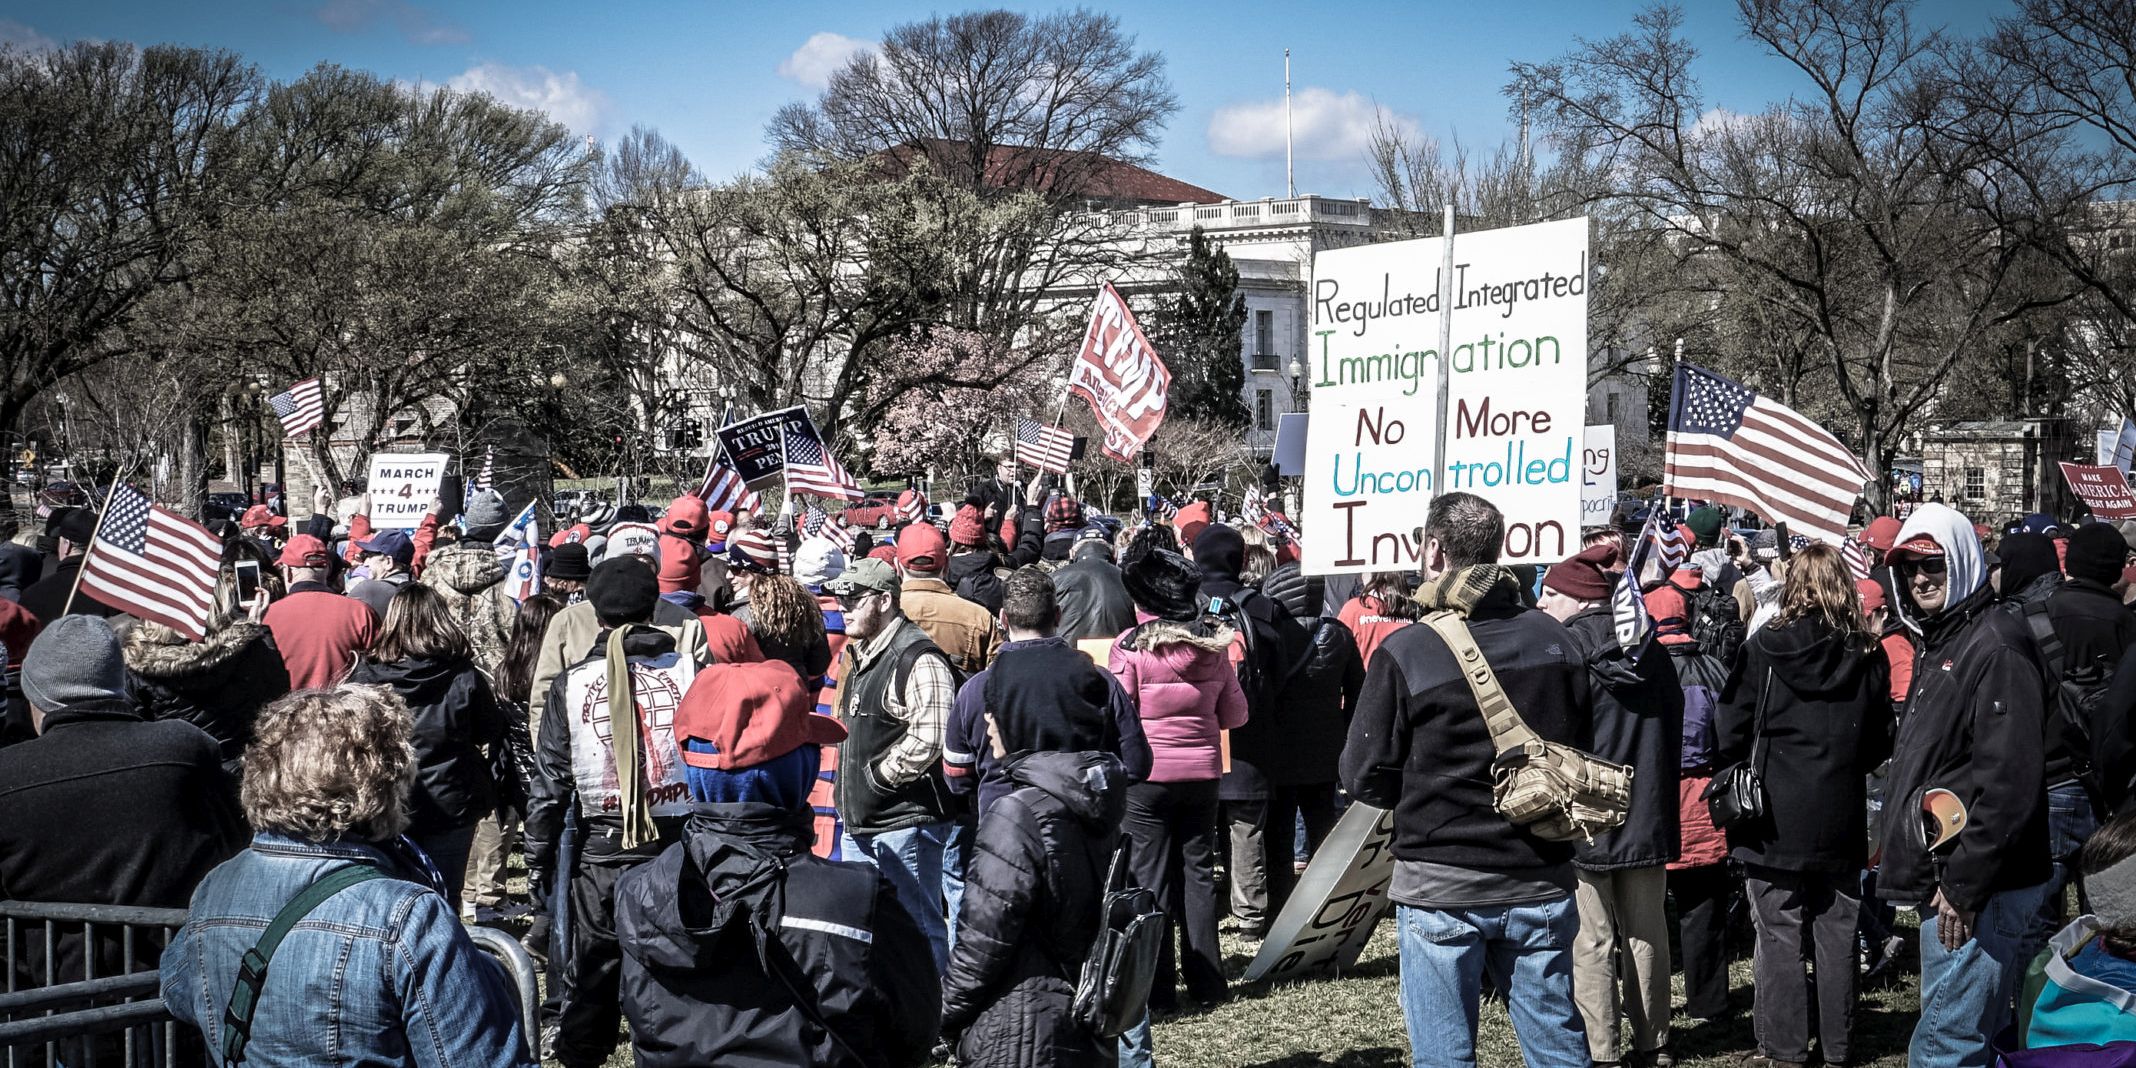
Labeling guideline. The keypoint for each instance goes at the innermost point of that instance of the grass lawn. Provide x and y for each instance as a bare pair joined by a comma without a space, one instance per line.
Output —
1355,1021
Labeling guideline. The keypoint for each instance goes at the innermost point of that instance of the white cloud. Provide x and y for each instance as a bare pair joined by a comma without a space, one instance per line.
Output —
1718,119
16,35
415,24
819,57
563,96
1325,125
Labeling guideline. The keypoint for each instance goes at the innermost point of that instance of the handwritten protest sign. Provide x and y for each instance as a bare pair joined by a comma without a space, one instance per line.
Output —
402,485
1598,467
2104,489
1516,407
1337,903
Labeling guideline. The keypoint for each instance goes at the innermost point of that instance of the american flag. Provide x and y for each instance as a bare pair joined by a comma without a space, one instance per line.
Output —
1044,447
1670,541
1273,522
912,505
1857,556
810,467
1162,507
300,408
1729,445
484,479
818,523
724,491
154,564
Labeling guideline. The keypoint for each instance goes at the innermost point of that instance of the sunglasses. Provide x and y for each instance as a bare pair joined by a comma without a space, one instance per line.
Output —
1930,565
851,601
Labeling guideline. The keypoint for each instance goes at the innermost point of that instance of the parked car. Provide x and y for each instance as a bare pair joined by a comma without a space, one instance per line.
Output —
879,512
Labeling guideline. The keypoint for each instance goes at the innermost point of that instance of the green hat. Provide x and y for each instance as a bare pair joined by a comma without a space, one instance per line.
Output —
866,575
1706,523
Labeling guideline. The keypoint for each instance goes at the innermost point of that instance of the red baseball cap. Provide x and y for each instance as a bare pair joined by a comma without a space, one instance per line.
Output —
921,547
686,517
303,551
749,714
259,516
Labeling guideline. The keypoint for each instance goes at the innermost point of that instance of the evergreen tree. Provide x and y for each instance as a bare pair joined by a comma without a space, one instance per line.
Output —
1201,331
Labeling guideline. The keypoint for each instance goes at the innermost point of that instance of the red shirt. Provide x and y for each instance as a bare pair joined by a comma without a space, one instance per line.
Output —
1368,622
319,633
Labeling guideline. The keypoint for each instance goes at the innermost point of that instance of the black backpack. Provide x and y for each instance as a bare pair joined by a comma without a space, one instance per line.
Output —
1113,990
1254,676
2077,690
1714,620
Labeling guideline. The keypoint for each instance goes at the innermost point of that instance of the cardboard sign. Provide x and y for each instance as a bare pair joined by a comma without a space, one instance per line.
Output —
1120,375
1337,903
2104,489
1598,467
756,448
402,486
1516,406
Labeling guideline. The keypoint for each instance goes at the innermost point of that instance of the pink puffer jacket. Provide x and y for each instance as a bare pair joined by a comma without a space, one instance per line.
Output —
1187,693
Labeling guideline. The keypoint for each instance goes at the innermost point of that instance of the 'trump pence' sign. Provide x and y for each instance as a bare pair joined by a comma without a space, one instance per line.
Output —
1517,406
402,485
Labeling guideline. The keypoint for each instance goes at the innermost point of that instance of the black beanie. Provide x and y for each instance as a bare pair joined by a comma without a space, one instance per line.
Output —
2026,557
1220,551
2097,553
623,590
1160,581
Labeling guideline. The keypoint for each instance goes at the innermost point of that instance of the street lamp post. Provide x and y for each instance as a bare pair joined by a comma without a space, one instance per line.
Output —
1297,385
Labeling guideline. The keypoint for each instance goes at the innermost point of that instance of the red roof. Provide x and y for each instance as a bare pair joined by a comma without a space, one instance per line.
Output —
1095,177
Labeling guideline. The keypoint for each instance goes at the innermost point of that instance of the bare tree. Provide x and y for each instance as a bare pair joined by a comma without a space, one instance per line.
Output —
993,101
1851,214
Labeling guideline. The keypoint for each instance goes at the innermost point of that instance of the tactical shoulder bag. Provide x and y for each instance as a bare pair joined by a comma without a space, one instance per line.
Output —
1551,790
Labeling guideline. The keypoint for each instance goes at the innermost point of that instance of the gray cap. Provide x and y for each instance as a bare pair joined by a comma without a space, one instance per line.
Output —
75,664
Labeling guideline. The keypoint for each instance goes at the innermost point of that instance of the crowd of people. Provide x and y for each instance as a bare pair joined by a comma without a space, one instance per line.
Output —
858,797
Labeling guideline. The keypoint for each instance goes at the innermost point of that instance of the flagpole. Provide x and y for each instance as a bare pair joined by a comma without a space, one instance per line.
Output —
91,547
1446,344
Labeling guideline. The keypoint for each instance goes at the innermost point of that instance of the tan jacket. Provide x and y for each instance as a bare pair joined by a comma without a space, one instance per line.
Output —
962,630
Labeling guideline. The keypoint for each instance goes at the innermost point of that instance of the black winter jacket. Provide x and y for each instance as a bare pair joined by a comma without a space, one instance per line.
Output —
972,576
1638,720
457,721
1277,643
1418,744
218,685
2095,630
709,928
106,809
1031,901
1094,602
1974,725
1827,724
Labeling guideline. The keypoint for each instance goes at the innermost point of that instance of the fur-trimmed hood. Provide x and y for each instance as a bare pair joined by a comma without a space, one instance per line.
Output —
1158,634
160,653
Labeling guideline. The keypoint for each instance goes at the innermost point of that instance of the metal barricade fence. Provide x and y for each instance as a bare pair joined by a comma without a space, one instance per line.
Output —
131,1001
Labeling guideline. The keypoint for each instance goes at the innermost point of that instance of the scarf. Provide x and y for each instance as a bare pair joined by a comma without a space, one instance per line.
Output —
1462,589
625,726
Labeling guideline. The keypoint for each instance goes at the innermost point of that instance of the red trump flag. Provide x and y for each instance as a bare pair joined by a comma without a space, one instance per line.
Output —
1120,375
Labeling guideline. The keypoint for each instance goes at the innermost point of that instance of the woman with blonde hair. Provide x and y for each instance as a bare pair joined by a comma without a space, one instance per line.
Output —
371,965
1808,711
783,617
423,656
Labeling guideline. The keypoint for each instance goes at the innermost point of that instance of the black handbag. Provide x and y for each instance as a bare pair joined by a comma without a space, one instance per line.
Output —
1736,795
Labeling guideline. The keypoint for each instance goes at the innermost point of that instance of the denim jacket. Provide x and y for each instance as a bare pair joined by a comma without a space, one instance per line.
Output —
379,974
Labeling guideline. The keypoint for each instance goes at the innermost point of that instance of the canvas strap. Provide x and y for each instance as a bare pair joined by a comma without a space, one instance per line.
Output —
1508,730
252,969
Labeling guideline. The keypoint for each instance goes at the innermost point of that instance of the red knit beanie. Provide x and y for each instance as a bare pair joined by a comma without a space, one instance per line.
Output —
1583,577
967,528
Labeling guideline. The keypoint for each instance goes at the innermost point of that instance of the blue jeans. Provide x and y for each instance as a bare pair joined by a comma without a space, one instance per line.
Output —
956,853
1135,1048
911,859
1967,994
2070,820
1528,950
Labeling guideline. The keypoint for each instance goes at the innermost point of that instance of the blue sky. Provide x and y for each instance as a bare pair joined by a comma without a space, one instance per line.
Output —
709,75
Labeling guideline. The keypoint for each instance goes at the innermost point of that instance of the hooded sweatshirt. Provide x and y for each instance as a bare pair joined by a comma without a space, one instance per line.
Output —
1974,725
470,576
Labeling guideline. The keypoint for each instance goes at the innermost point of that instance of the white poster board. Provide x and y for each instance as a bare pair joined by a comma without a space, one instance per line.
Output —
1337,903
1598,466
1517,404
402,485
